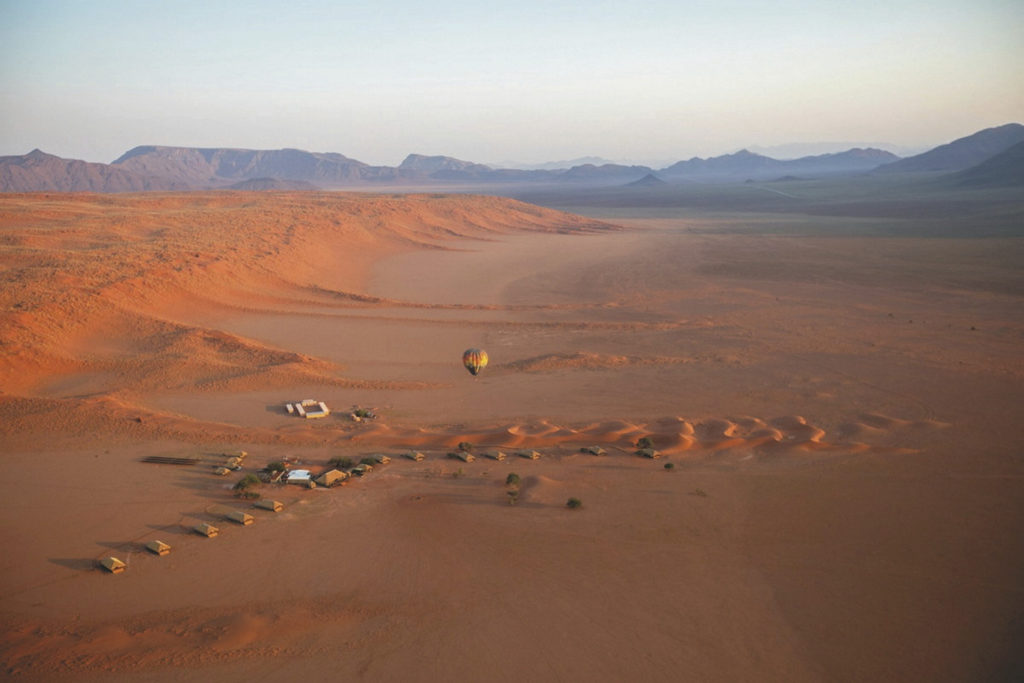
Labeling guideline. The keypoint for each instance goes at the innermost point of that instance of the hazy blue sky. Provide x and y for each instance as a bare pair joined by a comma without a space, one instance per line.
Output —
529,80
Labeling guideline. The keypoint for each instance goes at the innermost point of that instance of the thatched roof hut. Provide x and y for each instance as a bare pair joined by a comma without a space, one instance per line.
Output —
415,455
268,504
594,450
530,455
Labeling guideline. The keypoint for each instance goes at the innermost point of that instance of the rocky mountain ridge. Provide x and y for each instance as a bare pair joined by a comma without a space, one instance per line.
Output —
164,168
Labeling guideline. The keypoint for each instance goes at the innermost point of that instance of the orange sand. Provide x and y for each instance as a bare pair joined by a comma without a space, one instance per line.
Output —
845,502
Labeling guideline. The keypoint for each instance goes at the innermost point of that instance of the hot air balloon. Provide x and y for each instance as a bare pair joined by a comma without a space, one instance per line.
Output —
475,360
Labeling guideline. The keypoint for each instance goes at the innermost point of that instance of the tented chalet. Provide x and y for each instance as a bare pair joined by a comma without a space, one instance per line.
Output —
205,529
158,547
239,517
113,565
331,478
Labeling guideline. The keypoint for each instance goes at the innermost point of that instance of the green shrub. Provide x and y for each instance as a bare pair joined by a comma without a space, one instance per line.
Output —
512,479
574,503
276,466
645,442
465,446
248,495
513,496
669,466
247,482
341,462
367,461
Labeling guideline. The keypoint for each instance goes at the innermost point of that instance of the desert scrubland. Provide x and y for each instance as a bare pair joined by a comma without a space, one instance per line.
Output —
836,384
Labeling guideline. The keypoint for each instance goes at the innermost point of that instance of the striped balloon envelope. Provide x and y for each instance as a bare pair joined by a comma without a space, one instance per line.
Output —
475,360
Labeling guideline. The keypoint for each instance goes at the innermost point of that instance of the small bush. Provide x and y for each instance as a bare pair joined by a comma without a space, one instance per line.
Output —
513,496
512,479
246,482
645,442
669,466
457,474
342,463
248,495
367,461
465,446
363,413
574,503
276,466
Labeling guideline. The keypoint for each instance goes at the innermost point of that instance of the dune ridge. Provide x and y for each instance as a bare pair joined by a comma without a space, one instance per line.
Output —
120,416
77,266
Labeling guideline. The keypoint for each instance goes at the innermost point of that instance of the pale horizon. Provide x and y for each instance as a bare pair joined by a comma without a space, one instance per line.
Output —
650,82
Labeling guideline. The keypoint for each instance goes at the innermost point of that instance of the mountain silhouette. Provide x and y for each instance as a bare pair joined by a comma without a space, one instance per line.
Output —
962,153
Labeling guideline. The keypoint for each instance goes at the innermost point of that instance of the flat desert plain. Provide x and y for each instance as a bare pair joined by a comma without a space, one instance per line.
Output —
842,414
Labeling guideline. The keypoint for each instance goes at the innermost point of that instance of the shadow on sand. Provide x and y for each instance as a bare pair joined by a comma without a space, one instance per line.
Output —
81,564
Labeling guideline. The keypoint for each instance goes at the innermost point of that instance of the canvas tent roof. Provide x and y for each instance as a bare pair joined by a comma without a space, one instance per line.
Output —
158,547
331,477
207,530
243,518
113,565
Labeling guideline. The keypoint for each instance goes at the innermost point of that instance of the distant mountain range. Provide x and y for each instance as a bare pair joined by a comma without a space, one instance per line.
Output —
552,165
1005,169
155,168
755,167
962,153
217,167
41,172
